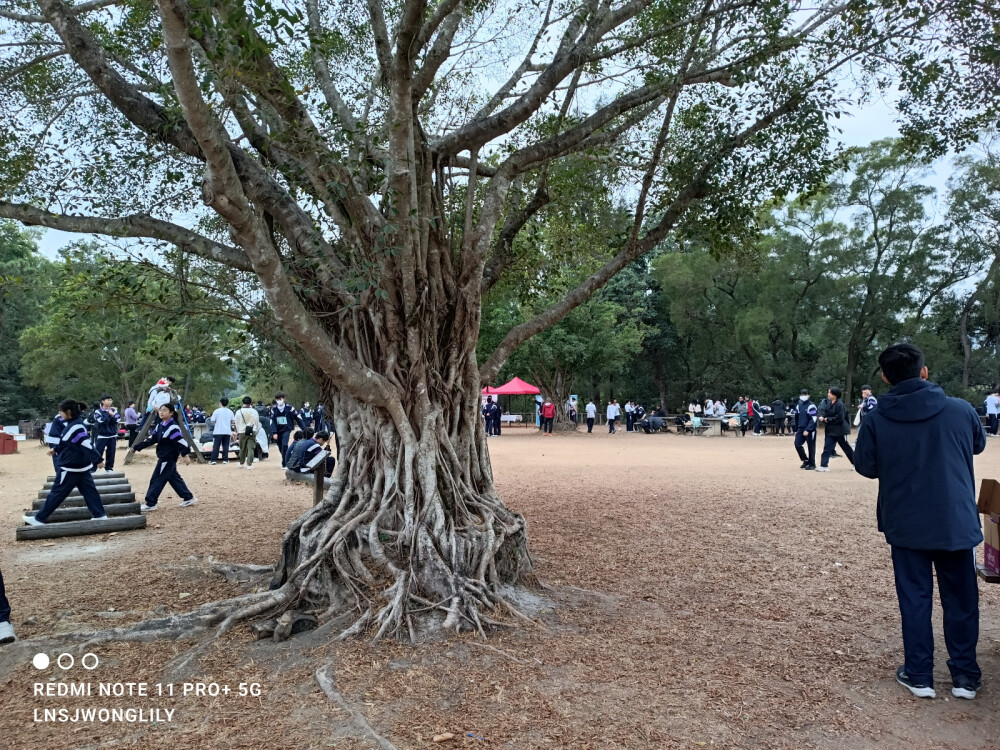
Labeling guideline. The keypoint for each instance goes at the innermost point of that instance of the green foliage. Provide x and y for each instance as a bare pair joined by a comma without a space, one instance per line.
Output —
25,279
116,327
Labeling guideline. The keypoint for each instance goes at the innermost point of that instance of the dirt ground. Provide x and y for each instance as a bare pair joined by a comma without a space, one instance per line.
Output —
700,592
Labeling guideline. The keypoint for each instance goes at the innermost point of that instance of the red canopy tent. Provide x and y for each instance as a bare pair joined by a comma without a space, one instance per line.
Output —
516,387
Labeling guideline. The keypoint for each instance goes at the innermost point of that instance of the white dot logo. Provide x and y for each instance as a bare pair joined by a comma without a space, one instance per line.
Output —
41,661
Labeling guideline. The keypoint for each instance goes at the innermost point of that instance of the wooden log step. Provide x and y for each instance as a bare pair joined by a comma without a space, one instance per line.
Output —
79,528
100,474
98,481
63,514
77,501
102,490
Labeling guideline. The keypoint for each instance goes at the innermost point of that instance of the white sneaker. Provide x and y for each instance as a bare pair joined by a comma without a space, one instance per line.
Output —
249,467
211,463
146,508
186,503
109,471
101,518
7,633
822,468
32,521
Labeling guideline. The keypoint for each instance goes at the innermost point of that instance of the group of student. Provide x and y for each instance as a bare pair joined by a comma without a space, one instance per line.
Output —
832,414
82,442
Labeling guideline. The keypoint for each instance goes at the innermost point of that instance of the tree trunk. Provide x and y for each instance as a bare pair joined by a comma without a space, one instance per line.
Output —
412,535
963,322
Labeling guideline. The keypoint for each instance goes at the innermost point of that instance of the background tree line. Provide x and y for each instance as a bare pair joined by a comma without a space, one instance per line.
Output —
808,299
823,283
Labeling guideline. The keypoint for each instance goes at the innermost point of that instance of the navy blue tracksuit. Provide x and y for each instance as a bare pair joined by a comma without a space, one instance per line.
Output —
107,436
805,421
170,445
4,604
283,422
52,439
919,444
76,459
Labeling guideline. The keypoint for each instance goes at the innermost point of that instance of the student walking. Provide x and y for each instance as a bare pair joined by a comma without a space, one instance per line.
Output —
170,446
247,425
805,430
835,426
919,444
131,422
106,424
613,412
591,415
77,458
222,430
283,421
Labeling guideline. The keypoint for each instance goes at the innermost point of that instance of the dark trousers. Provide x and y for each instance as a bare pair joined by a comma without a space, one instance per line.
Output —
959,592
133,430
106,448
283,444
994,421
166,473
496,426
66,482
547,424
590,424
756,425
220,443
810,442
611,426
4,604
830,442
629,421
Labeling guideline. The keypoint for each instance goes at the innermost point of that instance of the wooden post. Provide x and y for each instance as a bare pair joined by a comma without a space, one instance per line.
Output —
148,425
319,474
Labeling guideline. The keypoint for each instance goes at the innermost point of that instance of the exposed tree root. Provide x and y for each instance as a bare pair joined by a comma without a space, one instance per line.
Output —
324,676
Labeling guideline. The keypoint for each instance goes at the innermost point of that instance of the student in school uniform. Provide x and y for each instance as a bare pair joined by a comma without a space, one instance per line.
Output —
77,458
283,421
52,436
293,445
170,446
6,629
310,452
106,423
306,417
591,410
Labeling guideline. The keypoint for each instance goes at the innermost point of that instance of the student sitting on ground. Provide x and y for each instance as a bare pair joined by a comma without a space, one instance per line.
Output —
309,453
296,439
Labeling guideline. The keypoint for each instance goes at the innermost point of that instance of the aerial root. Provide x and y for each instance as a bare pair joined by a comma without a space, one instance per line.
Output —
324,676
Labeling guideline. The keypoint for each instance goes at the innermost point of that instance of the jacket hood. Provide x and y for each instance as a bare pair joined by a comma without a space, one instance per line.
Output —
913,400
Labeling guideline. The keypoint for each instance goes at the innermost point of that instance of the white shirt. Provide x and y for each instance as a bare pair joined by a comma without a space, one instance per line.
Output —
591,411
629,408
993,404
222,419
613,411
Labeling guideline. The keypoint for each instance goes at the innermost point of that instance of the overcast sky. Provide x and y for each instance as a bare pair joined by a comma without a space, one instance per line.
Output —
874,121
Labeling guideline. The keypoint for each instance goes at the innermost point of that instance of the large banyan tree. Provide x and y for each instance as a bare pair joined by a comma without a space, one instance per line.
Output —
372,164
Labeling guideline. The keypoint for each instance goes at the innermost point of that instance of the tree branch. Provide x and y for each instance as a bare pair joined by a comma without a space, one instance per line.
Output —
76,10
695,189
135,225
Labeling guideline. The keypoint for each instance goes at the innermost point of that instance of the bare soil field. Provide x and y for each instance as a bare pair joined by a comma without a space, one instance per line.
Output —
698,592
